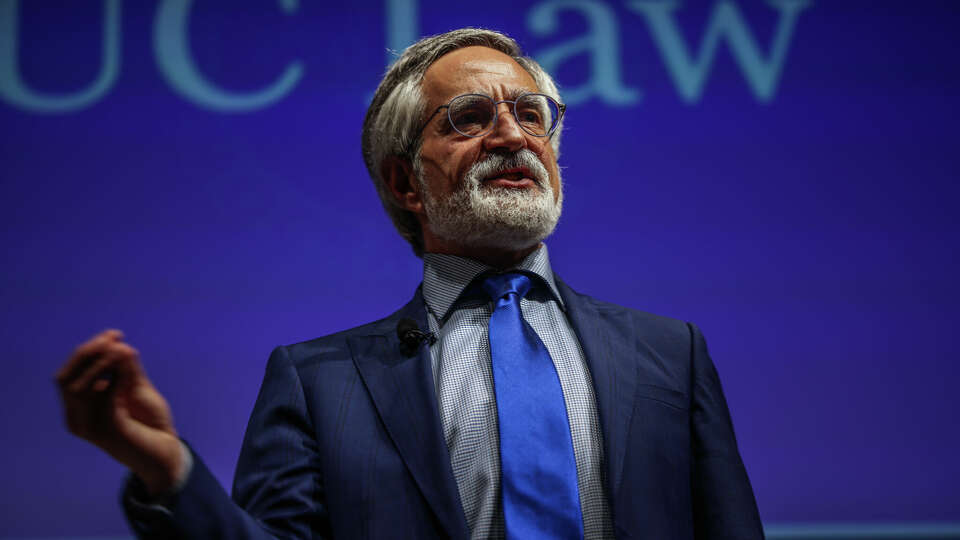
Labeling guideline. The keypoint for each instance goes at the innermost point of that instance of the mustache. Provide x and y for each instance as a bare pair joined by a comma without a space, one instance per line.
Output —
499,163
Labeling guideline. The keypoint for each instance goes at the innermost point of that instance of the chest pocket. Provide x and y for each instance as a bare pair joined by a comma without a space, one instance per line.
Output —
665,396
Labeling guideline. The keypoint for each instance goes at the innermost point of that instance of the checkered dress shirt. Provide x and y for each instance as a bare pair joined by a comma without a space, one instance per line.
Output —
464,385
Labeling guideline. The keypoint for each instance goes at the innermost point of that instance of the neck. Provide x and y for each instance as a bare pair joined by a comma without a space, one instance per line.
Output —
501,259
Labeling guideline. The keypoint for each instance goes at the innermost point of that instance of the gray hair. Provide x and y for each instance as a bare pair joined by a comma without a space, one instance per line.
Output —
397,109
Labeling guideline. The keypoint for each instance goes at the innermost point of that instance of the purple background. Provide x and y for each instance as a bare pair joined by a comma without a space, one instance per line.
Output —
813,238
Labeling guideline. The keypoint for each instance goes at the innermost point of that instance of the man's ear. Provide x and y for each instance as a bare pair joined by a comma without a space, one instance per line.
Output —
397,172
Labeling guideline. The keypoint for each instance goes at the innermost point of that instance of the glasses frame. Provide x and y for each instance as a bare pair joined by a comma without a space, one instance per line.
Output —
496,116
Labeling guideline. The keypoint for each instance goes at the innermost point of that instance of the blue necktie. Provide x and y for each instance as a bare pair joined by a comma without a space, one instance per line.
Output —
539,479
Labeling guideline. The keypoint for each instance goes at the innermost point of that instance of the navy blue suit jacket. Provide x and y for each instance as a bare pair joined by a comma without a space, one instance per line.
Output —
345,440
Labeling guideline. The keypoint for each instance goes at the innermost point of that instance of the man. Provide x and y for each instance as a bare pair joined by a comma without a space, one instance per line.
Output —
530,411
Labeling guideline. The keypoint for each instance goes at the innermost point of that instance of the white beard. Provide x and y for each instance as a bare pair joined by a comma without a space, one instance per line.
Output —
482,216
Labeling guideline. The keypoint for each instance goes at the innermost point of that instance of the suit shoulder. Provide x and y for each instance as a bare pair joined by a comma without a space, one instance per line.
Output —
648,326
660,347
333,347
641,317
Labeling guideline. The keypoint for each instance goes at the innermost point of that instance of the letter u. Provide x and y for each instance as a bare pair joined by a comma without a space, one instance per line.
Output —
15,92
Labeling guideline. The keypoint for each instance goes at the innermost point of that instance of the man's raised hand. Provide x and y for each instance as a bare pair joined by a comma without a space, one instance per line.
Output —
109,401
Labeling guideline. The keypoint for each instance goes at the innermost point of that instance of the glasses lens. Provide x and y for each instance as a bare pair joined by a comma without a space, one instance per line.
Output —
472,114
538,114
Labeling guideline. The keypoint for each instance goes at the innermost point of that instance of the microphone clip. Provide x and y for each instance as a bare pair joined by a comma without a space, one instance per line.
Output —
411,337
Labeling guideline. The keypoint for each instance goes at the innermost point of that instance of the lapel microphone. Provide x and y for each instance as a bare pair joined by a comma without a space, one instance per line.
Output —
411,336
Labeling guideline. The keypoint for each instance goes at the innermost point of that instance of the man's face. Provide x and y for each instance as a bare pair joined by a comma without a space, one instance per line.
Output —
501,190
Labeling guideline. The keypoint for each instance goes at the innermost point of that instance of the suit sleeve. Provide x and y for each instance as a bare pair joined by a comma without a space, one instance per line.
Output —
277,491
723,503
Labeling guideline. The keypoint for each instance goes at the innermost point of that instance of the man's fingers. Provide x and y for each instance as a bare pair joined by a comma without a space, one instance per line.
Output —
84,354
84,401
91,371
84,411
115,358
92,345
130,368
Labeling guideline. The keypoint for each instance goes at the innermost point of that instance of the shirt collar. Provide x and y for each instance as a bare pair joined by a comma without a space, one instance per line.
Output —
446,276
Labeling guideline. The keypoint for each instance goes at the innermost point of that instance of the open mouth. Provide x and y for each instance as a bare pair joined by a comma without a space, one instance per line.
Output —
515,177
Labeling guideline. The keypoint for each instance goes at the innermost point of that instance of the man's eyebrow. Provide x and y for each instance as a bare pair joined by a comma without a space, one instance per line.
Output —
515,93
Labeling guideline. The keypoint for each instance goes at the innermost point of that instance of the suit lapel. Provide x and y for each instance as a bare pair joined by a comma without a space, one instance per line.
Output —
403,393
608,357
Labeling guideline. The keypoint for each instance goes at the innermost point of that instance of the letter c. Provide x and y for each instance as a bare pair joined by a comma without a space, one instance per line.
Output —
171,46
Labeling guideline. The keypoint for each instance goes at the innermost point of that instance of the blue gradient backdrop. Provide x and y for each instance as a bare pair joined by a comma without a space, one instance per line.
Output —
812,233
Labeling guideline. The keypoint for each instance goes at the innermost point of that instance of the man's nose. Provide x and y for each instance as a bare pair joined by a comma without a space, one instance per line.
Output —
506,134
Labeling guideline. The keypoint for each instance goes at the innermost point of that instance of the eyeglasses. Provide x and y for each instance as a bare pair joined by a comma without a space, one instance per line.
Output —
475,115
